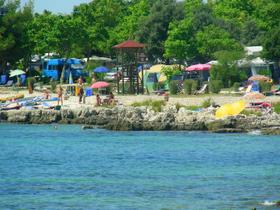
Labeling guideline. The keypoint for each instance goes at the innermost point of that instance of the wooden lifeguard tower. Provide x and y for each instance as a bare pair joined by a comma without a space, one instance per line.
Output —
129,55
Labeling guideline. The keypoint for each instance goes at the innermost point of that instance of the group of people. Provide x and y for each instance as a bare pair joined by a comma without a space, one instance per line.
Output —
109,100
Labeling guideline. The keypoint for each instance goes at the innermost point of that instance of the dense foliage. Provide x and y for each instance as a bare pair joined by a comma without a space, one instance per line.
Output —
188,30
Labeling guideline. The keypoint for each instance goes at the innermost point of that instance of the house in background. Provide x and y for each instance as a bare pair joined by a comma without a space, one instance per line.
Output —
257,64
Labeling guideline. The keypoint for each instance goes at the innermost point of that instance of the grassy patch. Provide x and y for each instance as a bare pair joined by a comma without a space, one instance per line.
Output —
276,107
156,105
193,107
248,112
207,103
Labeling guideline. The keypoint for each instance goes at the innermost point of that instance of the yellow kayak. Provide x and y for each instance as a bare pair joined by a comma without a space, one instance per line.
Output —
10,98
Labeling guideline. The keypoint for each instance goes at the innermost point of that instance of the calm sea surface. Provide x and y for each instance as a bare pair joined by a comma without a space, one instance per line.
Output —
43,167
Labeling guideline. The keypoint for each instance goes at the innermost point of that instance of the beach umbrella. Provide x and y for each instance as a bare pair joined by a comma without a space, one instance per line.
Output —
101,69
16,72
198,67
259,78
156,68
100,85
254,95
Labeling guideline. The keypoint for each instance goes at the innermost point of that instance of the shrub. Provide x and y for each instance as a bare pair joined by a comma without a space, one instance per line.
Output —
265,86
194,86
188,86
215,86
236,86
276,107
173,87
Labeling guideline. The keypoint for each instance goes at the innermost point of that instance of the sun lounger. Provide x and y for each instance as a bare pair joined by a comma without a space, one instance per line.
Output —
160,92
259,105
202,90
9,83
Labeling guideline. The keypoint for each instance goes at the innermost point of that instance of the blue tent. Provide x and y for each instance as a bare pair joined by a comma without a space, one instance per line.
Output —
55,62
101,69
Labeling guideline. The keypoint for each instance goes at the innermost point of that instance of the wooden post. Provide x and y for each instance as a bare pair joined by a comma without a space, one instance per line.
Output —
122,80
118,80
142,79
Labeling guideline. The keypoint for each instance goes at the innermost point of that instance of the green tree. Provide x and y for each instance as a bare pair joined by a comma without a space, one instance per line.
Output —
213,39
170,71
13,24
99,19
153,30
67,38
42,33
271,44
181,43
226,70
130,23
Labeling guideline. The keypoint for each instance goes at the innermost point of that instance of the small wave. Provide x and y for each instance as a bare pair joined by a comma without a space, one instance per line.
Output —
268,203
255,132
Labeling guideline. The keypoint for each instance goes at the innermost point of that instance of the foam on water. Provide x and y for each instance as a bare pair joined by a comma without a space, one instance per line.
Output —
268,203
255,132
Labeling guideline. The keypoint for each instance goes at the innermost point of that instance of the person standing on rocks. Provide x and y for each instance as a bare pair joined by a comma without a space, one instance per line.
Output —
98,100
81,94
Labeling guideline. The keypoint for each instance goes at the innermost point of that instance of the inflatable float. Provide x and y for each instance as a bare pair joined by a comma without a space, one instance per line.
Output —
230,109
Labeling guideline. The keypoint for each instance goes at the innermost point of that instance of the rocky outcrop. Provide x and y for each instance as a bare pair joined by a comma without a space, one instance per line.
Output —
143,118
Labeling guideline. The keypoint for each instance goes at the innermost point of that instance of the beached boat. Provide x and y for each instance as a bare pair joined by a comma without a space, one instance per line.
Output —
12,106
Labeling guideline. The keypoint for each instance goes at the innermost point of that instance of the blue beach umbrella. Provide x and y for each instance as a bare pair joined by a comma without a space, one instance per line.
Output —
101,69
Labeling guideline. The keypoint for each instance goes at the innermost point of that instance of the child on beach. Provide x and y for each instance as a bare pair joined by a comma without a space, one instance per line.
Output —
98,100
111,99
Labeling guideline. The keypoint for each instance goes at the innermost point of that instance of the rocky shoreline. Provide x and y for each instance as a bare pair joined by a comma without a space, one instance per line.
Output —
126,118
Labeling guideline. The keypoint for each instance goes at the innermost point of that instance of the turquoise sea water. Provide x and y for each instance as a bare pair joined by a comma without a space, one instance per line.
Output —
43,167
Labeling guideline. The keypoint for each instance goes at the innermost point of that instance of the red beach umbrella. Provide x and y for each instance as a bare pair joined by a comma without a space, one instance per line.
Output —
199,67
100,85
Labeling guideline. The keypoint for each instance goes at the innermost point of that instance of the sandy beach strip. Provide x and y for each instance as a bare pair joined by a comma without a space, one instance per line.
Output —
72,102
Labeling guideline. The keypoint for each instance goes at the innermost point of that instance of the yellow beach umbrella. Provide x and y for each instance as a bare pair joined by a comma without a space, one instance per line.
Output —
230,109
